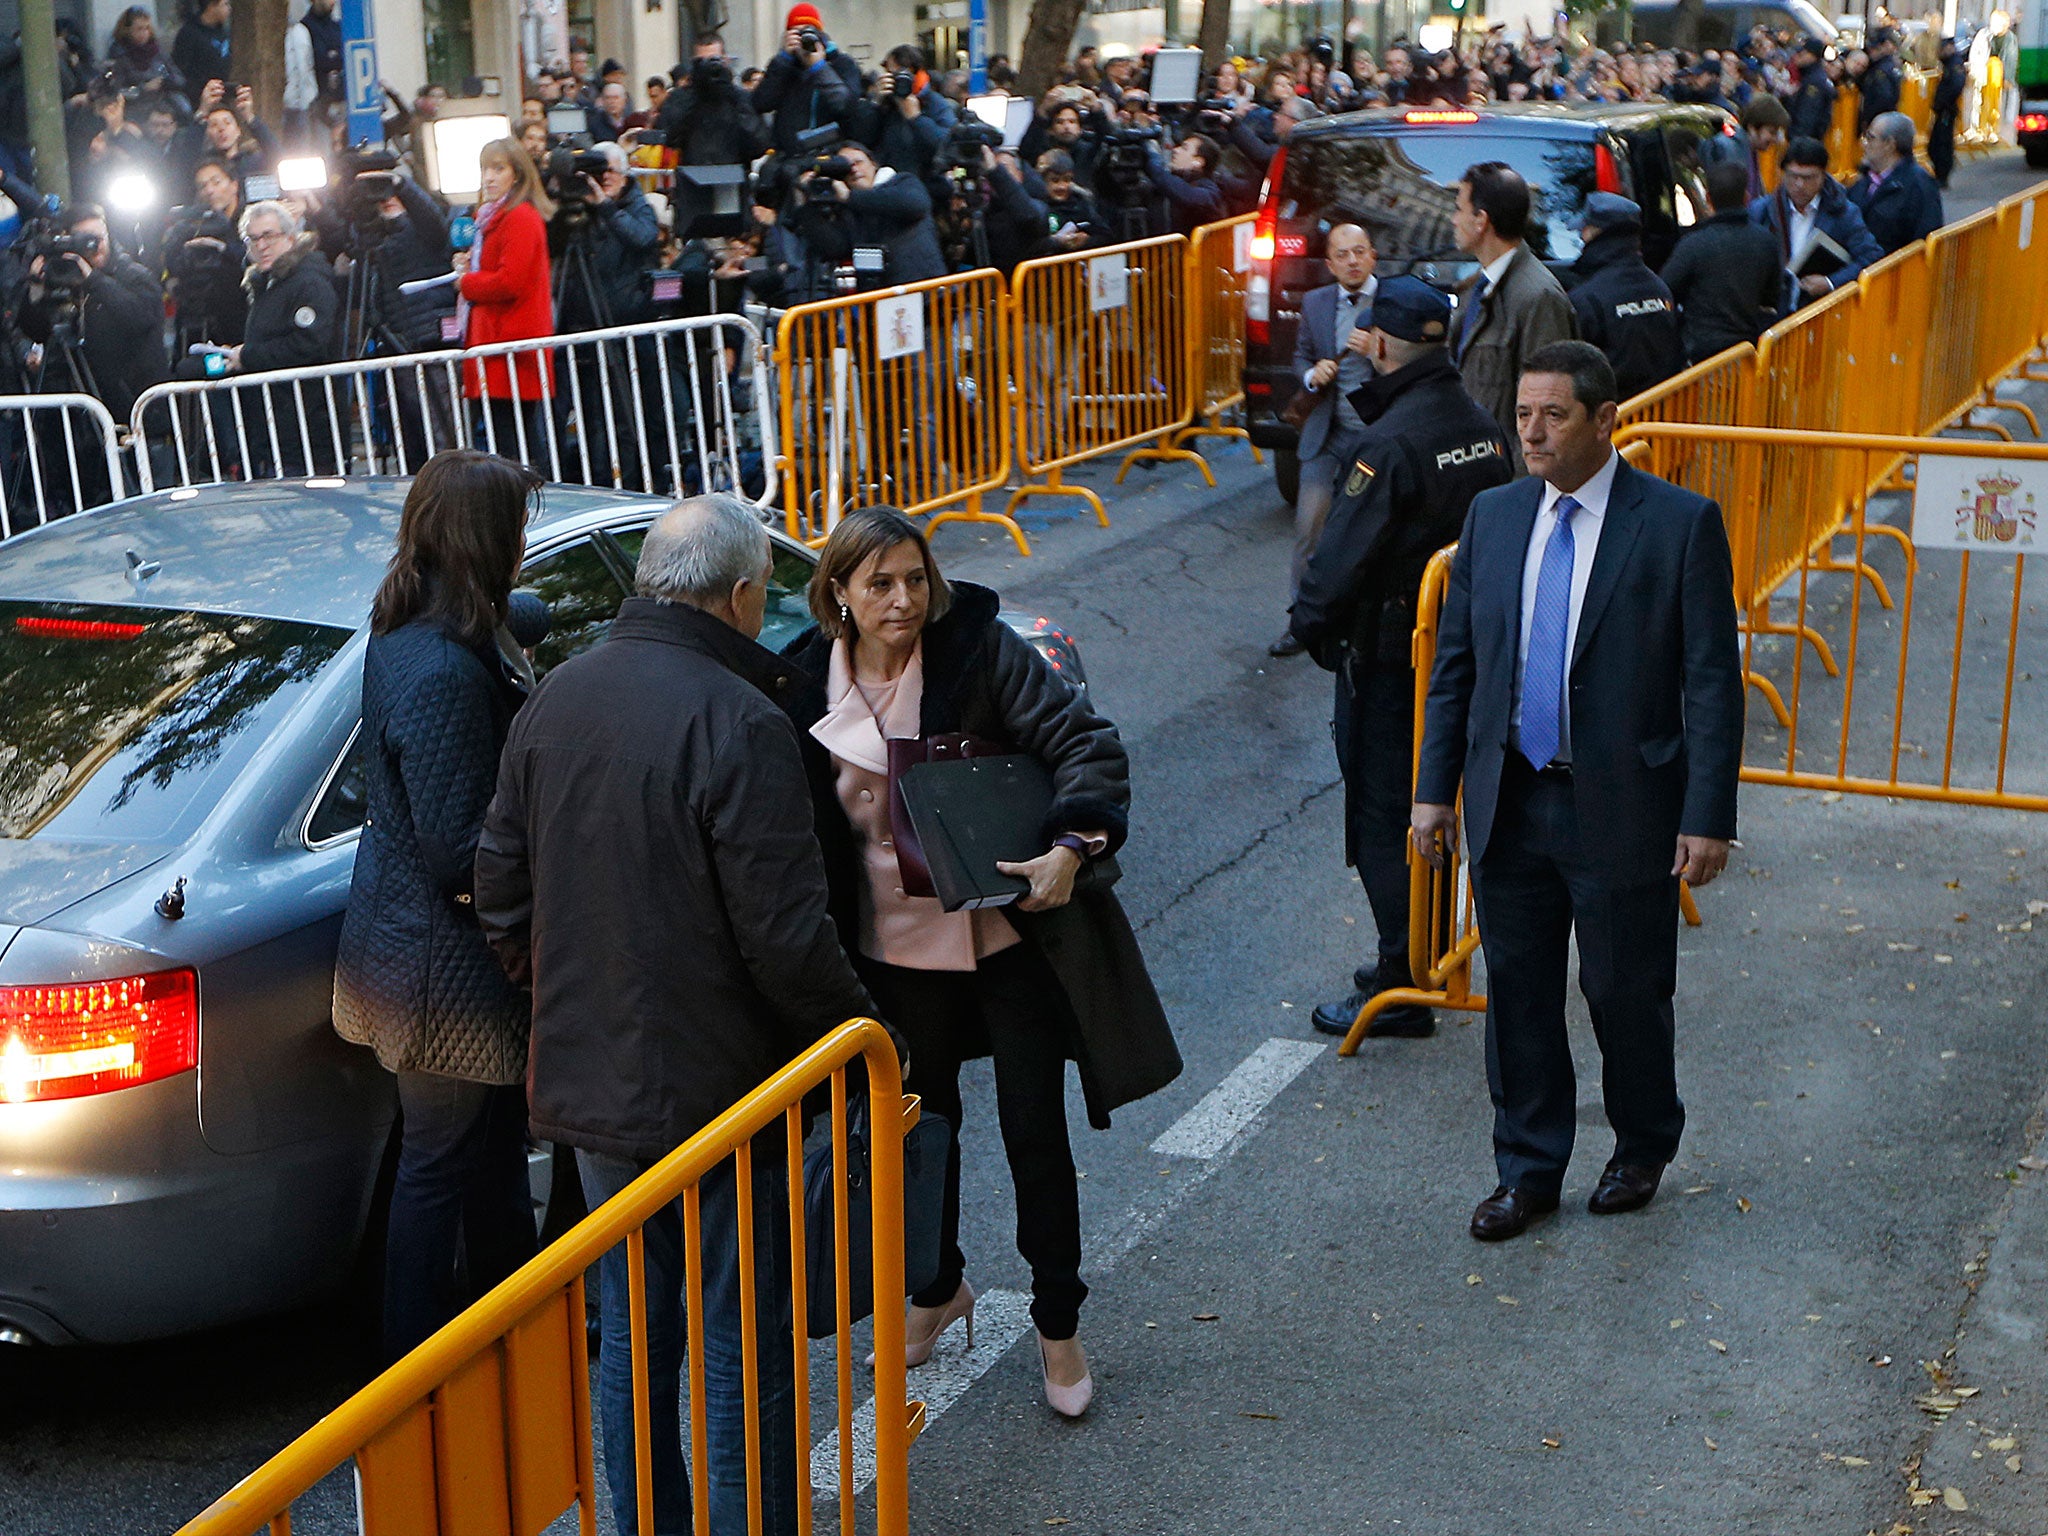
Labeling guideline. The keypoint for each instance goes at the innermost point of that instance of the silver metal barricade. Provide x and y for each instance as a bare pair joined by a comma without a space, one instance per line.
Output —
51,445
667,408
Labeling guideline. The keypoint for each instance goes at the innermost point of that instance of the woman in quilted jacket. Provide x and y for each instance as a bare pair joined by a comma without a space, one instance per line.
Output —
442,680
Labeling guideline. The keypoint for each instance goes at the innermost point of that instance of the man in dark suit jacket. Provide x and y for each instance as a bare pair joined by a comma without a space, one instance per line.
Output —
1588,696
1330,363
1900,203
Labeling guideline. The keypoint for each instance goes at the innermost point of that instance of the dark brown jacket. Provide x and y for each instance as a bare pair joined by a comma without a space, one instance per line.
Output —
981,677
649,863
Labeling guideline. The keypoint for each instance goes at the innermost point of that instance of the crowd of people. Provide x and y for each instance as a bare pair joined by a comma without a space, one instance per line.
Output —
854,179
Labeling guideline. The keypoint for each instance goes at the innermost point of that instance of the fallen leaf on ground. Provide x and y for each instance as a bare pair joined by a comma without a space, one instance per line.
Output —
1550,1444
1207,1317
1966,1391
1472,1280
1855,1461
2012,1463
1696,1189
1921,1497
1507,1301
1059,1520
1877,1360
1716,1344
2034,1164
1242,1414
1896,947
1952,1498
1853,928
1710,1442
2002,1443
1742,1204
1678,1322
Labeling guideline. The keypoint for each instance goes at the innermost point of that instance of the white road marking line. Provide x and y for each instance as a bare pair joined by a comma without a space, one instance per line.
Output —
1235,1102
1217,1127
1001,1318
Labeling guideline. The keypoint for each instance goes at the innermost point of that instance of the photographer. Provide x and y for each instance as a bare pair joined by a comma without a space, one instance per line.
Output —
84,298
1188,179
1070,121
847,210
986,217
907,121
709,120
607,238
203,255
227,130
809,83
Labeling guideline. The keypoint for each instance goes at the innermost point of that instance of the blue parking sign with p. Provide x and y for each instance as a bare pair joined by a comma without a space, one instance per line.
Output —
359,73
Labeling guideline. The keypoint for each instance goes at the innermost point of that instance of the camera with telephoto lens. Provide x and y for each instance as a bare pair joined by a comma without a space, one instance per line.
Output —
810,39
1323,51
962,150
712,76
369,182
1215,115
1123,175
567,173
60,274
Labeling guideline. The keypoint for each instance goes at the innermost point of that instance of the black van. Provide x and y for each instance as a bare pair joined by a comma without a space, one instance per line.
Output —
1396,173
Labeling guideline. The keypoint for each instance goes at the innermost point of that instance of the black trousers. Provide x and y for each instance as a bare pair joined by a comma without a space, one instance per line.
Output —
1010,997
1941,147
1375,735
1535,887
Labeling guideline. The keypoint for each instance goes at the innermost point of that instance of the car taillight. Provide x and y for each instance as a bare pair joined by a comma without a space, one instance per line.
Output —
80,1038
1606,174
2034,122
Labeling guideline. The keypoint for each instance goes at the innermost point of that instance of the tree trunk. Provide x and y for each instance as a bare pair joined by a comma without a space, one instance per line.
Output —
258,28
1048,38
1214,38
42,84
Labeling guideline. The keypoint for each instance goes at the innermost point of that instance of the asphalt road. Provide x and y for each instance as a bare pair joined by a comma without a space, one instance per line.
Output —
1290,1329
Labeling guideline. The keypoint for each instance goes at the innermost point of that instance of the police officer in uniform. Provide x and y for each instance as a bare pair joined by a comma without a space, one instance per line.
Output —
1428,449
1622,307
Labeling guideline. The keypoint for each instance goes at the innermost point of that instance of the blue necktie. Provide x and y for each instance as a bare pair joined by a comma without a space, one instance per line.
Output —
1471,321
1549,630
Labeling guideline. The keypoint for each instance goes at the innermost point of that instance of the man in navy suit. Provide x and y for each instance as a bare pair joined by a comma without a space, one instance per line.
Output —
1588,696
1330,346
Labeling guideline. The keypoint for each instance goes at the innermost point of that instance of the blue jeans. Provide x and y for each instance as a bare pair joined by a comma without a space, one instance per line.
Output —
724,1408
461,1192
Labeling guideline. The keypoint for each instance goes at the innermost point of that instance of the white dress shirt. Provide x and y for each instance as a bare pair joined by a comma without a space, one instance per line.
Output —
1586,525
1799,234
1498,268
1360,300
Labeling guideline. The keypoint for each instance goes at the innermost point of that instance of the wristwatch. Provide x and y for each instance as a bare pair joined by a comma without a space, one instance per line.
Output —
1074,842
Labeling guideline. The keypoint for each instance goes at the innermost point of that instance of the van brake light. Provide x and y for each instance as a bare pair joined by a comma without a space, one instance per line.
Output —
1440,115
72,1040
1606,175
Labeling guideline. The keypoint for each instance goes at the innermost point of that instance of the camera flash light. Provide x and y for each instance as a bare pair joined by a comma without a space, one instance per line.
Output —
305,174
132,193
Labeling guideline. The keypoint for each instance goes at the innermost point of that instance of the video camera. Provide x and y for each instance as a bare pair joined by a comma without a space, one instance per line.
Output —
61,276
567,172
368,181
961,152
1215,115
711,75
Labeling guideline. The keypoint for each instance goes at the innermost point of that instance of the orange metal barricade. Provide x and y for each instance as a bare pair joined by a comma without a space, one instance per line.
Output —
1218,257
896,398
1844,143
1100,362
487,1426
1944,664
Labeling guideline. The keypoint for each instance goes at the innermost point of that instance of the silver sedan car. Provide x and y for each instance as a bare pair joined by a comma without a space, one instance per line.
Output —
184,1141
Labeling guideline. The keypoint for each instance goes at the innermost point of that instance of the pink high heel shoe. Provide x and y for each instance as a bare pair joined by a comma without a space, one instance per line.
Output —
918,1346
1069,1402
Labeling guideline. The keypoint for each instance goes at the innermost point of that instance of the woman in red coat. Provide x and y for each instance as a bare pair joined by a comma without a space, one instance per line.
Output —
505,283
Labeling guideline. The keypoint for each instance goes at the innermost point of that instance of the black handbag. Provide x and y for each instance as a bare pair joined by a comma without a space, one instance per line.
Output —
925,1151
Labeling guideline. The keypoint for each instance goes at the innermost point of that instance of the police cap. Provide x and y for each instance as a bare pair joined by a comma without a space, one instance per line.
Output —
1610,210
1410,309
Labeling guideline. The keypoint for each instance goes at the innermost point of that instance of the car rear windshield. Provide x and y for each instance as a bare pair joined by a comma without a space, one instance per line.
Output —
1403,187
124,724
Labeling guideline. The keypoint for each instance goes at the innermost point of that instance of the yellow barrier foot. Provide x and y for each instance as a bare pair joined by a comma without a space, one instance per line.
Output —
1772,697
1181,438
1056,487
1161,453
1827,562
2017,407
1967,425
1470,1003
1767,626
972,513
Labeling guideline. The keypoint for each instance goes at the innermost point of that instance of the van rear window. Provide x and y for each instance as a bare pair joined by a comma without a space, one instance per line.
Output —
1403,188
125,724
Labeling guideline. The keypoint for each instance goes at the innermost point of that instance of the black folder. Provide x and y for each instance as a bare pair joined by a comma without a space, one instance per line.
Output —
1823,257
971,812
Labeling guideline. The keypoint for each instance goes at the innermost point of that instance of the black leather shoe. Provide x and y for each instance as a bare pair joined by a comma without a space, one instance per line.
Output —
1286,646
1507,1213
1402,1021
1625,1187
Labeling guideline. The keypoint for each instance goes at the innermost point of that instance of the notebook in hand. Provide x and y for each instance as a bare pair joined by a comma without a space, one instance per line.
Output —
972,812
1822,257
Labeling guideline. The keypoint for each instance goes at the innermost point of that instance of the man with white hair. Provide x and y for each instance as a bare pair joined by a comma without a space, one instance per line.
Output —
650,869
1900,202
